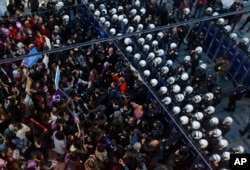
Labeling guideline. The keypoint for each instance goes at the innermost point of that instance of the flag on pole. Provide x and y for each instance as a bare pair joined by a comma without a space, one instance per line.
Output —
28,84
57,97
57,77
30,61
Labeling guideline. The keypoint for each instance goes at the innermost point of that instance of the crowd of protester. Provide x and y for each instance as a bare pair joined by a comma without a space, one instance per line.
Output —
101,115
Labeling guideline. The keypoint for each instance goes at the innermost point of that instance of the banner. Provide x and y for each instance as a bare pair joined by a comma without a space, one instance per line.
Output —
57,97
30,61
57,77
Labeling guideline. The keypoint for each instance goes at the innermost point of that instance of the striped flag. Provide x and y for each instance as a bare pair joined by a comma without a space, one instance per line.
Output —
57,77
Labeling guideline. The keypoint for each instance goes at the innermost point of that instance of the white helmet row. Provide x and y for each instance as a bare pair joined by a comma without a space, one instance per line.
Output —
203,143
209,110
176,110
142,63
127,41
129,49
137,56
133,12
176,88
179,97
184,120
184,76
155,43
221,21
130,29
215,133
223,143
164,70
195,125
157,61
227,28
146,48
137,19
112,31
146,73
107,24
233,36
198,115
113,11
160,52
173,45
163,90
196,99
151,56
198,49
245,40
167,100
141,41
188,108
214,121
171,80
186,11
139,27
187,59
196,134
160,35
143,11
189,89
154,82
215,158
227,120
225,156
209,96
149,37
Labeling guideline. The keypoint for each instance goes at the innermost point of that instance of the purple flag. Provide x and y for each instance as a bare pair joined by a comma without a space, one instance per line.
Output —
57,97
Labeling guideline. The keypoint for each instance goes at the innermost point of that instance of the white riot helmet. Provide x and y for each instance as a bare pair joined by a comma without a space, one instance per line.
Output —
66,18
91,6
227,121
163,90
223,143
120,17
198,115
146,73
61,4
141,41
143,11
179,97
184,76
187,59
203,143
215,158
113,11
209,110
198,49
149,37
196,134
209,96
189,108
151,26
171,80
107,24
125,21
167,100
215,133
233,36
115,17
120,8
215,14
129,49
238,149
221,21
101,6
146,48
112,31
245,40
226,155
151,56
176,110
104,12
164,70
142,63
127,41
189,89
97,13
173,45
130,29
186,11
184,120
195,125
102,20
169,63
196,99
227,28
160,35
119,34
153,82
214,121
157,60
209,10
203,66
137,19
160,52
139,27
133,12
155,44
137,56
176,88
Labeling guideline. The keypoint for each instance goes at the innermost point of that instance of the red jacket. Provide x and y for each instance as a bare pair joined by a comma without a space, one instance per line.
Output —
201,3
123,85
